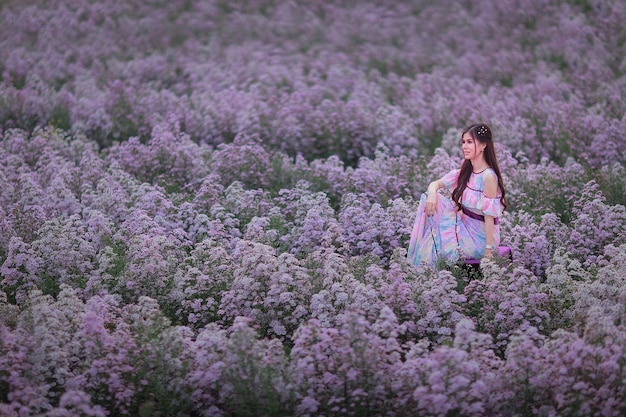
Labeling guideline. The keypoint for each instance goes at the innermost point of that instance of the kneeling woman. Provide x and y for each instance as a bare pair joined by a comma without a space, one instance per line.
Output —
465,226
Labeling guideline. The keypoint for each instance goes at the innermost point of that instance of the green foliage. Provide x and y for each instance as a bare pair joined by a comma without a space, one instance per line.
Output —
464,273
546,192
359,265
117,262
160,366
284,173
612,182
19,82
256,373
60,118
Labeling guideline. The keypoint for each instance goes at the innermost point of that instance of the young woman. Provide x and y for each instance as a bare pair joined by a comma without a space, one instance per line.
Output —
466,225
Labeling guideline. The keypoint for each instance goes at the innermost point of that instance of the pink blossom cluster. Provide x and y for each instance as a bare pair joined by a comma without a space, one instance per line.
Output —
125,292
322,78
206,205
64,357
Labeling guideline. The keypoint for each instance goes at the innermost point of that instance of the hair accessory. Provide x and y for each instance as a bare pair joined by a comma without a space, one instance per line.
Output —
482,130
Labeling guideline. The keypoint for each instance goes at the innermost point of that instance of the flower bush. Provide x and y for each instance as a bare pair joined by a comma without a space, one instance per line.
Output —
206,205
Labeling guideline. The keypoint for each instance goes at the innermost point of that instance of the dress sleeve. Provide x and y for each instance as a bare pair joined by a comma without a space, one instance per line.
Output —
492,206
449,180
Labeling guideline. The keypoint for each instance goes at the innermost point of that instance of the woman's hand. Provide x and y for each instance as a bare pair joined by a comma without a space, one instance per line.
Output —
488,253
431,199
431,203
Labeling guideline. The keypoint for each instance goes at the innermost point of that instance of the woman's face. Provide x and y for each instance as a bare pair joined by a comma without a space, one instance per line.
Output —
471,148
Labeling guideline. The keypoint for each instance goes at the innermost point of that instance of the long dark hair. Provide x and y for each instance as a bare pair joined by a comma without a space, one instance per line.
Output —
481,133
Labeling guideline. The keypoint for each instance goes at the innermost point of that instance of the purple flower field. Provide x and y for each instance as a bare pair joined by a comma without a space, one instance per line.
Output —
205,208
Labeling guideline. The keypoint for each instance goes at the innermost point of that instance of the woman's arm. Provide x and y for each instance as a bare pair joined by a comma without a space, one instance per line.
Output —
431,200
491,191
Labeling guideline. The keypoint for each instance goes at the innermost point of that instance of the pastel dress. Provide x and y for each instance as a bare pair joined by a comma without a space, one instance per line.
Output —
452,234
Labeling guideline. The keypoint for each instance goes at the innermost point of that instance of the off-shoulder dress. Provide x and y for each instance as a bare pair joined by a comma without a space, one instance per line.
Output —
452,234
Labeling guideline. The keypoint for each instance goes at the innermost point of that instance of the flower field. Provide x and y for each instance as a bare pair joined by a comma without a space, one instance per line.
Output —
205,208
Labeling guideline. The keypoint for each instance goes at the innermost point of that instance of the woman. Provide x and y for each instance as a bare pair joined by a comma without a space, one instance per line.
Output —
465,226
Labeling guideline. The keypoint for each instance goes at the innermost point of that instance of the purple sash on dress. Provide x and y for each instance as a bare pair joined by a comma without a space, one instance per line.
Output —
476,216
